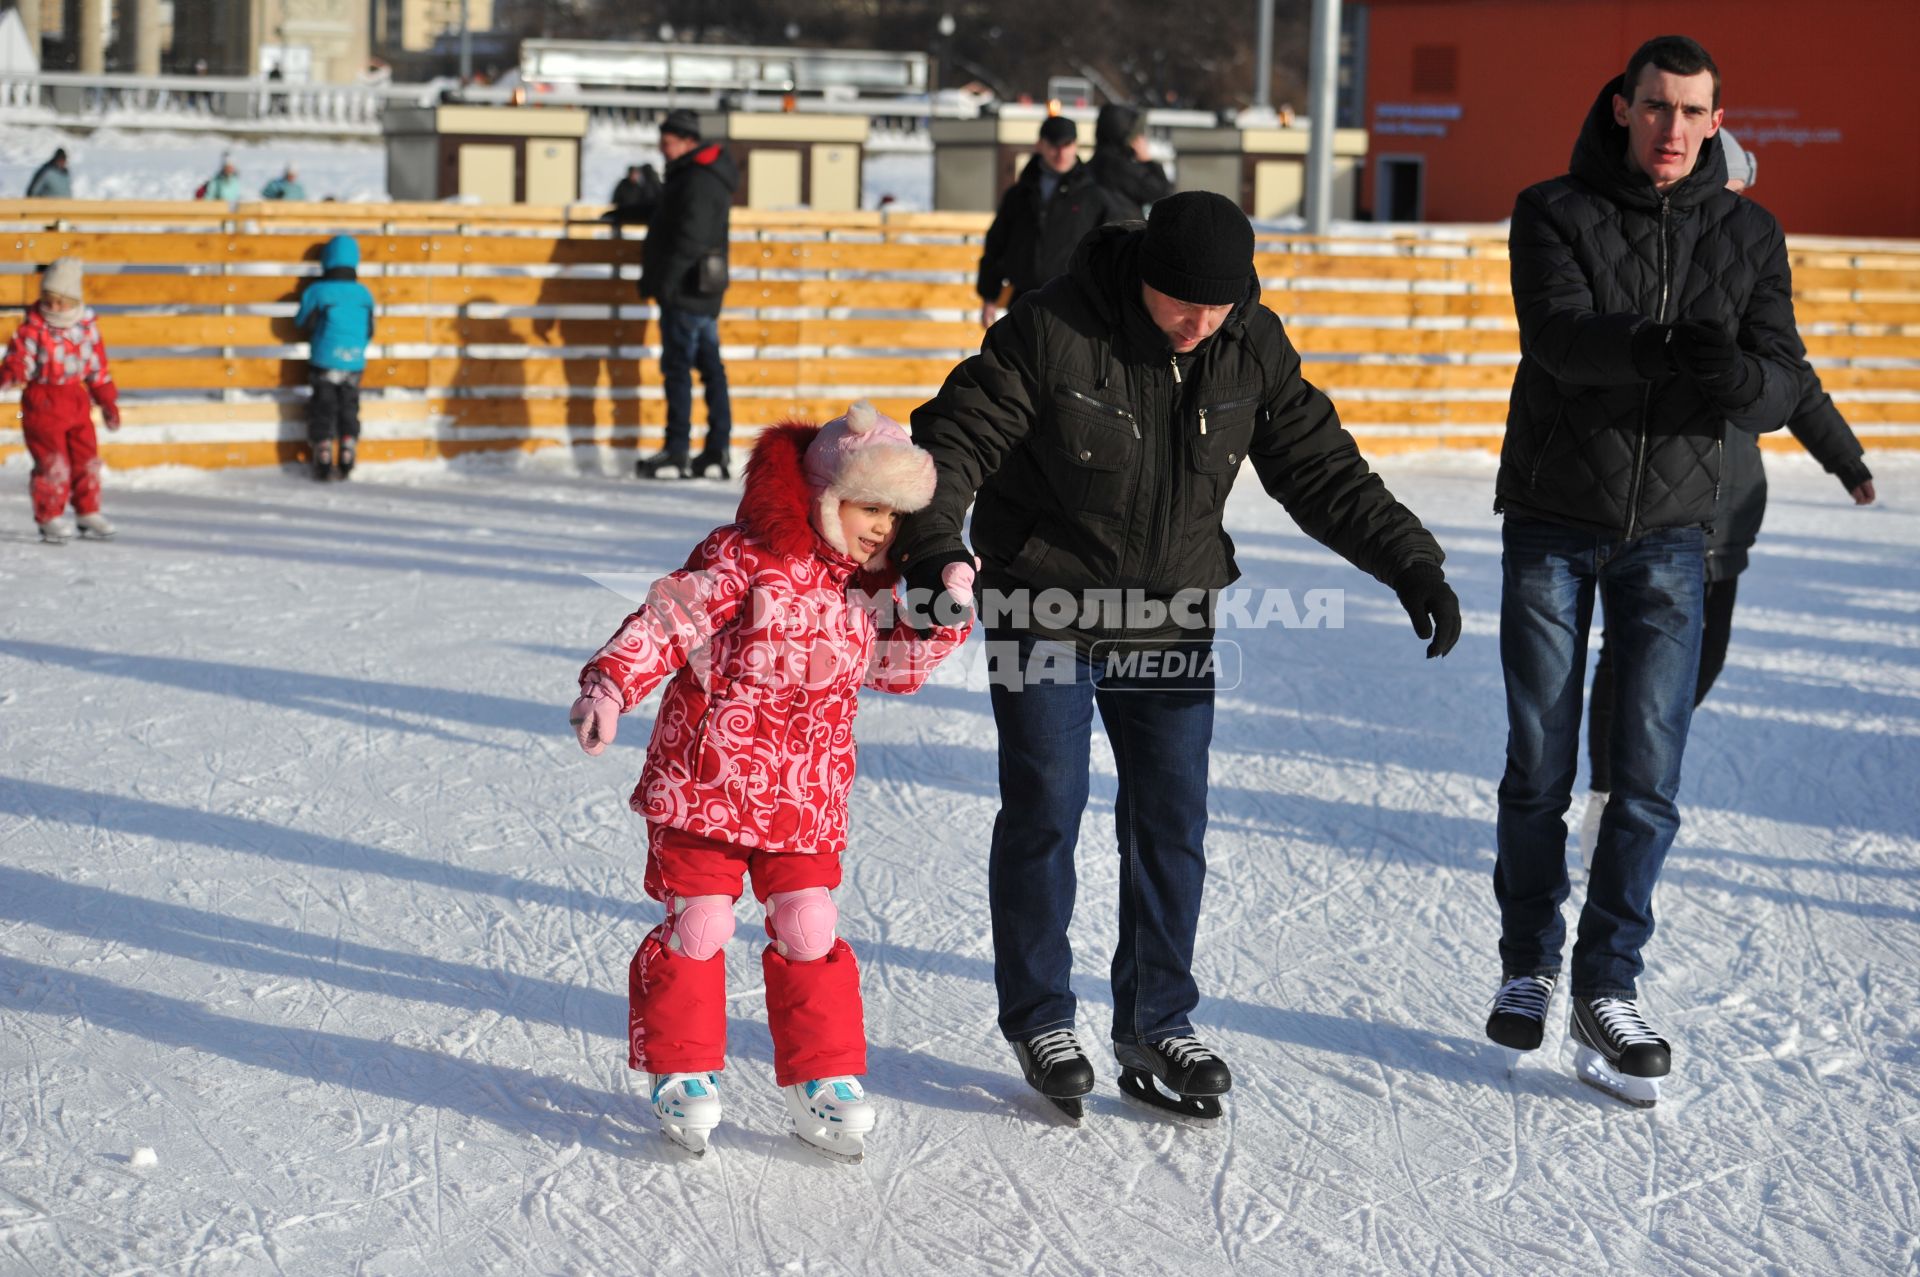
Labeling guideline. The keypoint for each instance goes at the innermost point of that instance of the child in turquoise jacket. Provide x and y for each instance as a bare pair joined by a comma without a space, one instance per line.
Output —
339,310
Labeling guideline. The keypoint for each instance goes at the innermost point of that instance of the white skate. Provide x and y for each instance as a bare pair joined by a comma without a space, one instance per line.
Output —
688,1106
96,526
57,531
832,1115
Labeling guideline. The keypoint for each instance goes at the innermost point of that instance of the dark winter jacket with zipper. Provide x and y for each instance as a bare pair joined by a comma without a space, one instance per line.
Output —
1590,441
1032,239
691,219
1103,462
1133,182
1822,431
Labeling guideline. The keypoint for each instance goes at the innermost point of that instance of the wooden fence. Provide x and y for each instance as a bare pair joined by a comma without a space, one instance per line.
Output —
520,328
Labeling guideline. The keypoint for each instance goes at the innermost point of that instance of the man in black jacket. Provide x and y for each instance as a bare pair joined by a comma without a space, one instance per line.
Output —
1120,162
683,267
1042,217
1101,426
1656,313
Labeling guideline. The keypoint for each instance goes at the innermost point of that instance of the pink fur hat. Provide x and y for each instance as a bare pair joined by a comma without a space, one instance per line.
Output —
863,456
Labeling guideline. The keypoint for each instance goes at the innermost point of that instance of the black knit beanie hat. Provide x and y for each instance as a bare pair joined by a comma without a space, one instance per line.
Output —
1198,249
682,123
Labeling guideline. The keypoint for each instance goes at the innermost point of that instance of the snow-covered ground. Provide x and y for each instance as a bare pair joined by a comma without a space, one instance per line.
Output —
305,887
121,164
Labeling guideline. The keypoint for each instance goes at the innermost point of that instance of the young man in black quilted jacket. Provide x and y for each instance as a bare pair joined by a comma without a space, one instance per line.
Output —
1101,427
1656,315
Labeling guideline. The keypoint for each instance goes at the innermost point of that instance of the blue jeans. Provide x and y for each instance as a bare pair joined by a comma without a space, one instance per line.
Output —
689,341
1160,729
1652,589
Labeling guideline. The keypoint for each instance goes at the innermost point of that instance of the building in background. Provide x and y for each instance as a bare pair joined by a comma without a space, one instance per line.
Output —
1470,101
309,41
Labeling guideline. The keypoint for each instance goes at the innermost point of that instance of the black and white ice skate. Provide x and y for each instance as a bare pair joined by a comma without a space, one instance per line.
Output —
346,458
1057,1066
661,465
1518,1019
323,460
1617,1051
1195,1075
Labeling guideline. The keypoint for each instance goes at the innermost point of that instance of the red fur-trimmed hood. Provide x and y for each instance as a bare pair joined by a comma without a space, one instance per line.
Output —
777,505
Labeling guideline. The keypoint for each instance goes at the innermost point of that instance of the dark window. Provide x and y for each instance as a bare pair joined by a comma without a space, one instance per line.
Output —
1436,68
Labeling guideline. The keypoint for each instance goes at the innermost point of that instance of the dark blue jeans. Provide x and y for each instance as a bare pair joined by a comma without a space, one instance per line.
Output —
689,341
1160,729
1652,589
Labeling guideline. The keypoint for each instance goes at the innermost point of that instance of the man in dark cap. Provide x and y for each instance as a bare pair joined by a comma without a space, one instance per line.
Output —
1101,428
683,267
1042,216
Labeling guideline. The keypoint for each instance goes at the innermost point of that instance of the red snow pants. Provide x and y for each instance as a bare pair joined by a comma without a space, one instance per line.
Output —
677,1006
66,457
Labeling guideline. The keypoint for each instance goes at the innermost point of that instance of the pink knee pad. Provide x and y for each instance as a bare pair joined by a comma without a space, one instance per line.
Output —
801,923
701,925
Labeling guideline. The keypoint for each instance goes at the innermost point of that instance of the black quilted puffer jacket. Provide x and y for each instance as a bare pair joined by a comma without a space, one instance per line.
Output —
1590,442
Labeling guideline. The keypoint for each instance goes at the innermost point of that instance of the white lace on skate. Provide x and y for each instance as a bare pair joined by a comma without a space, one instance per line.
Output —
1621,1021
1525,995
1051,1048
1185,1051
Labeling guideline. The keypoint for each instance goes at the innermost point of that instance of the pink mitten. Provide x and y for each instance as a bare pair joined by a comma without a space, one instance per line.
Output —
958,578
596,715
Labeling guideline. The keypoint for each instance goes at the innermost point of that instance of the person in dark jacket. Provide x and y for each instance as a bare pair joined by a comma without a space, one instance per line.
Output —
635,196
1656,315
1822,431
683,267
1042,217
1120,163
51,180
1101,428
338,308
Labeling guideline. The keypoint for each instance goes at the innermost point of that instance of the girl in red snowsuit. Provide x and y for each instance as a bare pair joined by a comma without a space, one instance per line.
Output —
58,355
769,632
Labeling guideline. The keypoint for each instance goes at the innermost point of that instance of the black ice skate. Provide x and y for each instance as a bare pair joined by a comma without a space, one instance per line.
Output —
706,464
1057,1066
346,456
323,460
1616,1051
1196,1076
661,465
1519,1017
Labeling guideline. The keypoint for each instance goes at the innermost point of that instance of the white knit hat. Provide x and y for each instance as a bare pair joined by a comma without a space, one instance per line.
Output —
63,277
863,456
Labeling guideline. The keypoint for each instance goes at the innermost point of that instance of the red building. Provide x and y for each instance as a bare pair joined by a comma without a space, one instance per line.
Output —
1470,101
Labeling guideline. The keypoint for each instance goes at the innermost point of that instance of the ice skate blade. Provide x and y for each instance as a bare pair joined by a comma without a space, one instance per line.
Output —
1514,1058
1071,1106
1140,1087
1592,1068
847,1147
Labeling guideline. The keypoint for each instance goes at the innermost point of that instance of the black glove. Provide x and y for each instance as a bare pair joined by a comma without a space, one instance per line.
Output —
1431,604
929,604
1652,356
1709,354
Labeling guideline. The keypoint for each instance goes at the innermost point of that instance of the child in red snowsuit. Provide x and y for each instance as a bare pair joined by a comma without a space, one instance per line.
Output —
58,355
769,632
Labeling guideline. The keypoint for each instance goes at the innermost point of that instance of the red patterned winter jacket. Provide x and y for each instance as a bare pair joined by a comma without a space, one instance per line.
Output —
61,368
769,633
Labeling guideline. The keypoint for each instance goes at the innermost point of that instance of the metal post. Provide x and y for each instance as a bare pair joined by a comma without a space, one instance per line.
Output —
466,45
1323,75
1263,57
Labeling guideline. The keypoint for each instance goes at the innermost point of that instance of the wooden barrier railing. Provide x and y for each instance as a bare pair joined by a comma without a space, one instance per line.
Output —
521,329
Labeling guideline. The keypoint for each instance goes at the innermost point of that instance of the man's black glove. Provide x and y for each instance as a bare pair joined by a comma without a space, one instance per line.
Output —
1652,356
1432,606
1709,354
929,602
